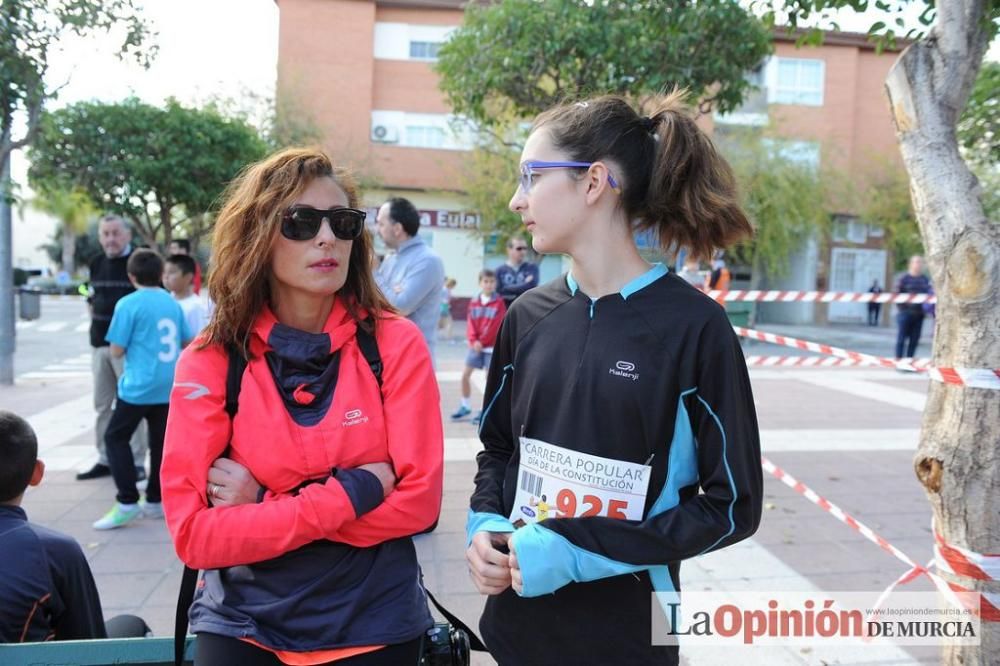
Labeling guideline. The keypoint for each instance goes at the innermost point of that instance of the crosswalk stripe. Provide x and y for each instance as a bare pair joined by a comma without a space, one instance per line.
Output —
83,328
53,327
21,325
53,374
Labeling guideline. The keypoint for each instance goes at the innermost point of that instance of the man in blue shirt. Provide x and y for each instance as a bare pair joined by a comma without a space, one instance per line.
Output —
910,316
518,275
412,277
149,329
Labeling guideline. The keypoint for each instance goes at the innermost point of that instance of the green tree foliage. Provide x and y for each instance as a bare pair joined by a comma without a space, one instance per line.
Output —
979,128
289,123
783,197
281,119
30,29
490,178
979,136
162,167
817,13
86,245
519,57
886,204
74,210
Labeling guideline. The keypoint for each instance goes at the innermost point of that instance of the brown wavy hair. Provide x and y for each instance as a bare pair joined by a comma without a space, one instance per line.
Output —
672,178
245,232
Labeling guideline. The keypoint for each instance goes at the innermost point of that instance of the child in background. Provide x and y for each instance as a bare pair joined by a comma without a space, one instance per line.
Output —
178,278
486,313
444,324
183,246
149,329
47,587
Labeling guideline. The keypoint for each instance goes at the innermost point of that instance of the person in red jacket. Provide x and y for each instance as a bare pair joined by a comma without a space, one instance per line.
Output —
300,507
483,321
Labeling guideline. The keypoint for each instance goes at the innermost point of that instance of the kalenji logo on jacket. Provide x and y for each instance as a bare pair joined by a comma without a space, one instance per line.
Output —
354,417
624,369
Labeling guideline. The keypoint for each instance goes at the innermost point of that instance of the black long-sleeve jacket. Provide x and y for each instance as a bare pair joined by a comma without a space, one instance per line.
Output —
46,588
653,374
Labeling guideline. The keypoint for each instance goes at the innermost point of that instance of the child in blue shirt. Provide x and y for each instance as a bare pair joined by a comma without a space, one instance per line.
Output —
149,329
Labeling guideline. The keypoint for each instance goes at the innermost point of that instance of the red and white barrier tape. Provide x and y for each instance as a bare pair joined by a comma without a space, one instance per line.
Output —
820,362
945,555
986,378
961,562
817,297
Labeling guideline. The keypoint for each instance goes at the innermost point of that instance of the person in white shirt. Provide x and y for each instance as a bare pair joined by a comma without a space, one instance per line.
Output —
178,278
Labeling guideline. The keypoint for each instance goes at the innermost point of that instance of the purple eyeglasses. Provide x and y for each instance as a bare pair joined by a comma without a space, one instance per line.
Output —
528,170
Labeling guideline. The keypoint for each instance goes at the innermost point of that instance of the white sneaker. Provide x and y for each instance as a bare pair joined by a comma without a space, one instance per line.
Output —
151,509
120,515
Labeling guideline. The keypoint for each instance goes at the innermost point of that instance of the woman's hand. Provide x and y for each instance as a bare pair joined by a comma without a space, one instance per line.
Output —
385,474
490,567
231,484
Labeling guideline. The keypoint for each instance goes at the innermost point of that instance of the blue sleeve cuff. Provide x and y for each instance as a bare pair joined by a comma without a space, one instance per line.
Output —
548,561
485,522
363,487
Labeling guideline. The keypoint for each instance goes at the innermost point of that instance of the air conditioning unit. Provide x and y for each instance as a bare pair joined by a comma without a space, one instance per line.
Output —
385,134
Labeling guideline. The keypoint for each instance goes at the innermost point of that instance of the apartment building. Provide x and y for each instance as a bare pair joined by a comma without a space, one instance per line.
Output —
826,107
361,71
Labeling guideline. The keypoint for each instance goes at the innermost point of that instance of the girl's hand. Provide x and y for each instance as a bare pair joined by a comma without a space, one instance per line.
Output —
489,567
516,580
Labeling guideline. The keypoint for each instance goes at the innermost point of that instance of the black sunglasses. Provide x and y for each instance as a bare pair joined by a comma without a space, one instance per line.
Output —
301,223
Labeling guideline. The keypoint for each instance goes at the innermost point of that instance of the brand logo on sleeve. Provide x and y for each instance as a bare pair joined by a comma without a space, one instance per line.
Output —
198,391
624,369
354,417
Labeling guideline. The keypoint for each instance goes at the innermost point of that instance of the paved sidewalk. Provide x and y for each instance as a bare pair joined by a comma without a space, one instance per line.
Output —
849,433
875,340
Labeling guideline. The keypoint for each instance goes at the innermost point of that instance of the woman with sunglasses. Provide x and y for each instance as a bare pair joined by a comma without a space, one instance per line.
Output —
299,508
619,429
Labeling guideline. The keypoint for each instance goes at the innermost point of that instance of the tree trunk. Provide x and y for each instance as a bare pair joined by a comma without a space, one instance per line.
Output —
166,222
68,249
958,460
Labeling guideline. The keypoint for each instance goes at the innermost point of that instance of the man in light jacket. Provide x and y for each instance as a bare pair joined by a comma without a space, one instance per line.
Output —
411,278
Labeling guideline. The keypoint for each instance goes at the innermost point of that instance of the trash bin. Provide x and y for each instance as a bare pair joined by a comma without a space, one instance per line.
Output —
739,313
31,303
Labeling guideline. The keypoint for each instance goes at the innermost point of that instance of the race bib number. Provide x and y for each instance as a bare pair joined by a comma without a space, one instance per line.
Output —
555,482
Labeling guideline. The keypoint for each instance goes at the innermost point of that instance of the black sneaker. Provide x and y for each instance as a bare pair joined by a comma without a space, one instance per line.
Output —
95,472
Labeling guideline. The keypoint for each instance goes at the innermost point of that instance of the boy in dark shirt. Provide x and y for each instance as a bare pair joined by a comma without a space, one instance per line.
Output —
46,587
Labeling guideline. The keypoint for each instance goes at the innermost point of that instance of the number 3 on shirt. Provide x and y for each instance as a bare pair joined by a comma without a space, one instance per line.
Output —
169,338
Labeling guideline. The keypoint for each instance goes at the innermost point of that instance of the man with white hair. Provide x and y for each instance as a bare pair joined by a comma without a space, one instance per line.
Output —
108,283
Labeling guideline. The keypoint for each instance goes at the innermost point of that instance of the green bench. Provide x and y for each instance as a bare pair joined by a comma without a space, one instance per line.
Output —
105,652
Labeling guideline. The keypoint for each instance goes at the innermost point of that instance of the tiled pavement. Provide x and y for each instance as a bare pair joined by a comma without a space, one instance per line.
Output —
848,433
